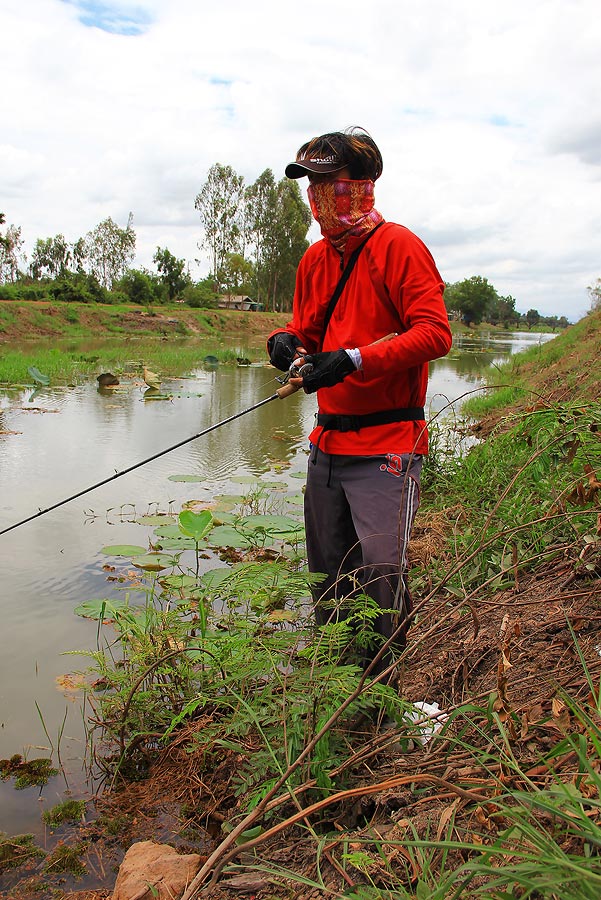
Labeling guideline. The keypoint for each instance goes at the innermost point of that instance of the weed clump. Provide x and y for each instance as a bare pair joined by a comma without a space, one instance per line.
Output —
17,849
27,772
67,811
66,859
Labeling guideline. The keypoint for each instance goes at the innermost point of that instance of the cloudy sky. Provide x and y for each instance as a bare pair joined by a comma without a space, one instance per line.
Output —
488,116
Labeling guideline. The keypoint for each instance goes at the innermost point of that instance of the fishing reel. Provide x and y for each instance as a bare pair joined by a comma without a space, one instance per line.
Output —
298,368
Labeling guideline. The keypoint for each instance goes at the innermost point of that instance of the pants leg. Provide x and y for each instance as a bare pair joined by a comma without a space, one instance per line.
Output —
384,499
359,512
332,543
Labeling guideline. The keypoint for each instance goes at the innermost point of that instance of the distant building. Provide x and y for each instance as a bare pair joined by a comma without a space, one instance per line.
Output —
238,301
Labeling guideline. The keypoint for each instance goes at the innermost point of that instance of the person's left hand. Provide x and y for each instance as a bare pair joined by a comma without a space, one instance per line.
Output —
329,368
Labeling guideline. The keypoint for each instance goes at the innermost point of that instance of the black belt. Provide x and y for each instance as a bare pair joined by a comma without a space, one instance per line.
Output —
386,417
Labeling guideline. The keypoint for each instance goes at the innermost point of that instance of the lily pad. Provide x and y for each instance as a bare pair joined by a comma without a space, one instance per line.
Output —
187,478
100,609
178,544
227,536
38,377
296,498
245,479
179,582
153,562
274,524
155,520
225,502
170,530
123,550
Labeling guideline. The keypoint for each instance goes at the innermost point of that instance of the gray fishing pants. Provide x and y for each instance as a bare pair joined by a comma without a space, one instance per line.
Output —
359,511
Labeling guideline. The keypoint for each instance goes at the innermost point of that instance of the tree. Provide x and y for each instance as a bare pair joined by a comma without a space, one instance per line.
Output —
473,298
79,255
594,292
140,287
11,244
292,221
77,287
173,272
532,318
219,206
50,258
260,218
236,274
502,311
109,250
201,295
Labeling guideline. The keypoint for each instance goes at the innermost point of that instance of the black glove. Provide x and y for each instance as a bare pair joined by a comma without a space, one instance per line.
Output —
328,369
282,349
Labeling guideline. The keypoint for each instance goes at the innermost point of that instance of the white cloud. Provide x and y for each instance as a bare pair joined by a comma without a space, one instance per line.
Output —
487,118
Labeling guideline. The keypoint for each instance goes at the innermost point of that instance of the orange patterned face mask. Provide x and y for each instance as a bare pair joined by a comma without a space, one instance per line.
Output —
343,208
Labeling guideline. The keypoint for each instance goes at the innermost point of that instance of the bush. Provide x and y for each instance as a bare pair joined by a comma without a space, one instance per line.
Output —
200,295
77,288
141,288
20,291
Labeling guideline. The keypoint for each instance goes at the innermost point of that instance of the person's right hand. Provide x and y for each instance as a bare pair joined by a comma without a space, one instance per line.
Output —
283,348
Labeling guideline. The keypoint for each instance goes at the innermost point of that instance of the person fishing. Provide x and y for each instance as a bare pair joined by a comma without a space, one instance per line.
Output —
367,279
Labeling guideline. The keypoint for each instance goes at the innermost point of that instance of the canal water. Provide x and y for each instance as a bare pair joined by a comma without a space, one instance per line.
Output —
62,440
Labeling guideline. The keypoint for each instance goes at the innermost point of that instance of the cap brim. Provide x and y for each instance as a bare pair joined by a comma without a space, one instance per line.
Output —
300,168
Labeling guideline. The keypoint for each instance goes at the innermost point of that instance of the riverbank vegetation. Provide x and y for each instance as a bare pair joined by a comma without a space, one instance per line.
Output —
254,236
225,723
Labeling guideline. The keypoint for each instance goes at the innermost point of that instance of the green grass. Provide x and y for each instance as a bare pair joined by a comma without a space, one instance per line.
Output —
69,366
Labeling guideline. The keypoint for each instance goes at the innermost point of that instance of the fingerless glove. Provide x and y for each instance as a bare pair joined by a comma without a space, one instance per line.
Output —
282,349
329,368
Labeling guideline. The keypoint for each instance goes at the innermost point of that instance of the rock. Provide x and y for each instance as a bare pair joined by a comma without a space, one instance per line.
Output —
152,871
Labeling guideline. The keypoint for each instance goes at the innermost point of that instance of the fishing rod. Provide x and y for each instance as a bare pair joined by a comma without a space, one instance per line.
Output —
297,369
285,391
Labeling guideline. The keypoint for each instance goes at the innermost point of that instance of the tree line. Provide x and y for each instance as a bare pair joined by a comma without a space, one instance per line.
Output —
254,236
475,300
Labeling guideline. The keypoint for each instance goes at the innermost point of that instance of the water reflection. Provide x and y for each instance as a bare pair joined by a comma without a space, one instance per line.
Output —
68,439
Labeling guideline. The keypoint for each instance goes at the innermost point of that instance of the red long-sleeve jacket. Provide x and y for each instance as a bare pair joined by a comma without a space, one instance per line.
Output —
394,287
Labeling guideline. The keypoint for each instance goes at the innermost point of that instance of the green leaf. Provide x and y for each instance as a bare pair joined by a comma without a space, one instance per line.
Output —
177,543
225,502
100,608
38,376
195,525
214,577
123,550
178,581
155,520
298,499
168,531
226,536
153,562
273,524
186,478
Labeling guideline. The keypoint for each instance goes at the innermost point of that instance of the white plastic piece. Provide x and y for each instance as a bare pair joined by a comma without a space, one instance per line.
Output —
430,718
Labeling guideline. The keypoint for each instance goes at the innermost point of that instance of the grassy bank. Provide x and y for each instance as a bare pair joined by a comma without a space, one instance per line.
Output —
122,339
215,703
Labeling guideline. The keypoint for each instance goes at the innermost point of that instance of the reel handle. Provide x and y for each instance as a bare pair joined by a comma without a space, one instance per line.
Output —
288,389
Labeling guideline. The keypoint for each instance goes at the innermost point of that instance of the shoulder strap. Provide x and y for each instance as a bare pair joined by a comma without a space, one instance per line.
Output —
341,283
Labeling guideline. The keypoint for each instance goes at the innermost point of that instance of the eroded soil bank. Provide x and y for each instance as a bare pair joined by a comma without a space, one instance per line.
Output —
26,320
